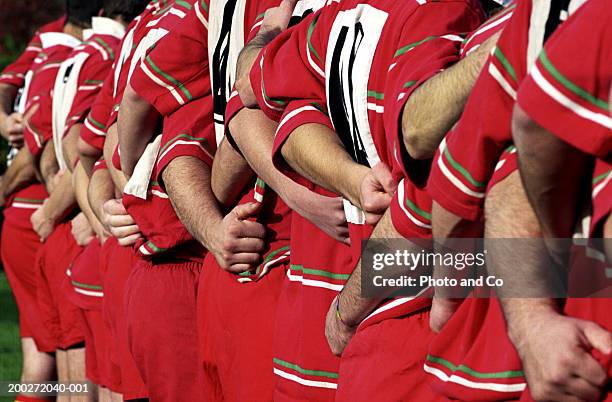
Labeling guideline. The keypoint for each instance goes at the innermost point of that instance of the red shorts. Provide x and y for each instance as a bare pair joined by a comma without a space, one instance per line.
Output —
472,358
116,264
160,302
384,361
59,314
236,325
19,247
84,287
96,345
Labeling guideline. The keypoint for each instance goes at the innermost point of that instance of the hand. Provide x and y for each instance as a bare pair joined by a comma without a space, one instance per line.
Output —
555,351
12,129
41,223
277,18
81,230
54,180
240,241
441,311
376,192
326,213
337,333
119,223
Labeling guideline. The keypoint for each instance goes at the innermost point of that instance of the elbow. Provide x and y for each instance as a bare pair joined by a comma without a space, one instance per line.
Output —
243,86
417,142
524,132
87,151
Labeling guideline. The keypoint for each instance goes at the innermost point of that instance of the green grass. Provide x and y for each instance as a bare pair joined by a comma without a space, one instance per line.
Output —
10,350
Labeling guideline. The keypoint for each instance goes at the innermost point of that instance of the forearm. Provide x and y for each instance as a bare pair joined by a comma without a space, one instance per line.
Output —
110,145
443,96
62,200
230,174
48,163
245,63
88,156
333,169
187,182
136,126
69,146
19,174
80,183
551,170
8,93
353,307
519,313
248,123
101,189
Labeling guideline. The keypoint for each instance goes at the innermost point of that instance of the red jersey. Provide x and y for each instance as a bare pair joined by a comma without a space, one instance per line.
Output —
468,156
332,52
39,85
14,74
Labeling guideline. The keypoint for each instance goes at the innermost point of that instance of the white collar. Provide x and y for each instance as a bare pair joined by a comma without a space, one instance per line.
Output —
49,39
87,34
107,26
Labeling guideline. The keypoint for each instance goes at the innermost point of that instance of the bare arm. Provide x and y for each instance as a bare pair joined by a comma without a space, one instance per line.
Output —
275,21
333,169
48,165
8,93
443,96
19,174
88,155
110,144
101,189
81,186
187,182
136,126
551,170
230,174
69,146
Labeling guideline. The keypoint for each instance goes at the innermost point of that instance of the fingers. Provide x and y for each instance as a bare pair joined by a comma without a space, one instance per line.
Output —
582,390
120,220
246,211
239,268
250,229
382,173
114,207
597,337
129,240
125,231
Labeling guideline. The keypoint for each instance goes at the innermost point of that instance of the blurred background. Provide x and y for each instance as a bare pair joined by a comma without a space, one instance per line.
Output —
18,21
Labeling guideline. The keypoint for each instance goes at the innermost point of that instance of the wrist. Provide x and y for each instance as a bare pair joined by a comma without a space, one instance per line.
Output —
352,185
343,316
521,313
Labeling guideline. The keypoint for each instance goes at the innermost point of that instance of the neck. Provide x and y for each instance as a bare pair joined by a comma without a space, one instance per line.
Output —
73,30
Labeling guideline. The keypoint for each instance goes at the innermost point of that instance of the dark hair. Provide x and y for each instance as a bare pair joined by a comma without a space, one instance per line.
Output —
126,9
79,12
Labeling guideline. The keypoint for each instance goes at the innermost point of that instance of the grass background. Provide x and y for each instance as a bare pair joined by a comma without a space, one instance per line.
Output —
10,350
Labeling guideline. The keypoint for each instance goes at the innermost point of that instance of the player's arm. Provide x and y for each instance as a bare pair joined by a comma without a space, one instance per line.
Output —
136,126
230,174
19,174
81,189
88,155
253,132
234,240
275,21
334,169
443,96
11,124
109,149
551,170
48,167
69,146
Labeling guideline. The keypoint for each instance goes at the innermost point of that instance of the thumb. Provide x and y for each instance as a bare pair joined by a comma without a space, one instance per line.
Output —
598,338
383,175
246,211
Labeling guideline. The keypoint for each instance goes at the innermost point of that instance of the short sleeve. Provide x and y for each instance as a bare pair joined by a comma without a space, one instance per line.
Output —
169,76
93,131
570,98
